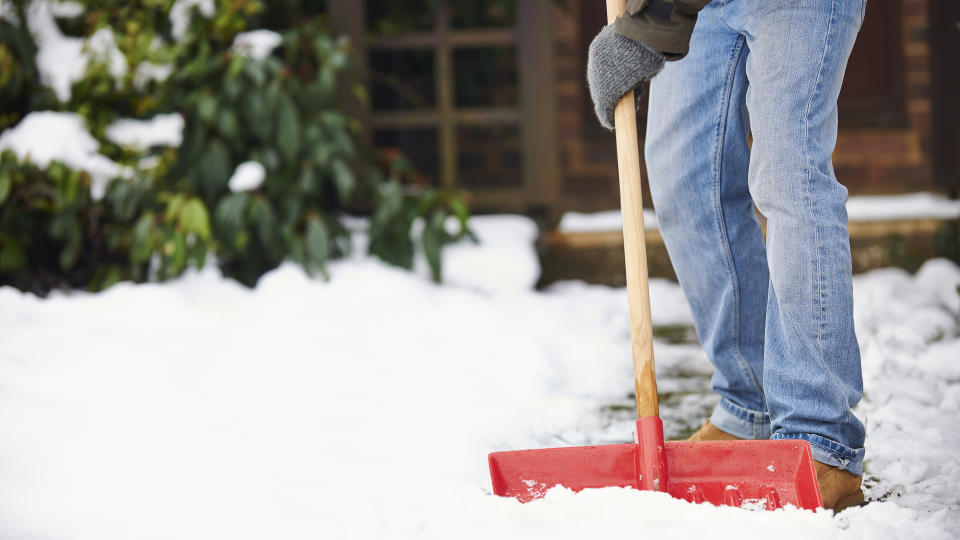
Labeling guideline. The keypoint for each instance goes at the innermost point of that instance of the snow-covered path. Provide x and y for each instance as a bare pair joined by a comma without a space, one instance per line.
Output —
364,407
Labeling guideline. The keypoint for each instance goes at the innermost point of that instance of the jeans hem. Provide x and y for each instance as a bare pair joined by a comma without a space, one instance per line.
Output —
741,422
830,452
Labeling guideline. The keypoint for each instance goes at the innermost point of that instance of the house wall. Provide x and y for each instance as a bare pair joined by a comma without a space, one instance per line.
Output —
884,143
898,158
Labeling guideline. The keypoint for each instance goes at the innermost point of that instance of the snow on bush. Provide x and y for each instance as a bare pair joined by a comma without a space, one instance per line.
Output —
46,136
248,176
256,44
180,15
62,59
161,130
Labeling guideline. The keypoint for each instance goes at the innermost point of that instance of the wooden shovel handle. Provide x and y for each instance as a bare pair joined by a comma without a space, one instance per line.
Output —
634,249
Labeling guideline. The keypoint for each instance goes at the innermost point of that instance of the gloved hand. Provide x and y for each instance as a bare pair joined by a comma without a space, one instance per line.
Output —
616,65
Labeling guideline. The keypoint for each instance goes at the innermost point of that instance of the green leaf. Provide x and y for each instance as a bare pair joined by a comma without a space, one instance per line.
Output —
178,260
12,256
174,206
108,278
360,92
432,238
308,180
343,179
142,243
321,154
317,242
72,246
206,108
194,218
460,210
5,185
255,72
237,63
288,129
255,113
197,254
227,123
230,212
214,170
266,227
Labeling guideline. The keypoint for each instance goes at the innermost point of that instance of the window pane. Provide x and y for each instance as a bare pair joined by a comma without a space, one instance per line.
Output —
401,79
393,17
483,13
485,76
489,156
418,145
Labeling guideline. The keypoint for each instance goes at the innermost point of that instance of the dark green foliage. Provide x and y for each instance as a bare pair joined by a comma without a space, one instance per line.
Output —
282,111
52,234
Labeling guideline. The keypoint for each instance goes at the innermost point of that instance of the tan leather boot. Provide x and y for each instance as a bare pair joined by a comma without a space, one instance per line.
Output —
839,489
710,432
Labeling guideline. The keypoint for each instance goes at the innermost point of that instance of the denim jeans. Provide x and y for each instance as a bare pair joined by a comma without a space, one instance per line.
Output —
775,316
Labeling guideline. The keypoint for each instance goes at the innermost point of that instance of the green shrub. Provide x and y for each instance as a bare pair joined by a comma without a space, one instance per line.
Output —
282,111
20,88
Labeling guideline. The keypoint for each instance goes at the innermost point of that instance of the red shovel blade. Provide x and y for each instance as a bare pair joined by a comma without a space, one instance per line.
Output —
751,474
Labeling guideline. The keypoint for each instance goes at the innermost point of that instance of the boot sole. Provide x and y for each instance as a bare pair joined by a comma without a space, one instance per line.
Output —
854,499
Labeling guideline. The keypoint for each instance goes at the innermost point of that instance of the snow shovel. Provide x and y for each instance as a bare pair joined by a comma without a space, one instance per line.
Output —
751,474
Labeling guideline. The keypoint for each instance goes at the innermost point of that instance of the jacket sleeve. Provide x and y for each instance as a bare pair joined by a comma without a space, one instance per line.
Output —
664,25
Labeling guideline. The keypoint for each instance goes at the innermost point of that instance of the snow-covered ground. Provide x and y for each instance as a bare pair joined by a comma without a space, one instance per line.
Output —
364,407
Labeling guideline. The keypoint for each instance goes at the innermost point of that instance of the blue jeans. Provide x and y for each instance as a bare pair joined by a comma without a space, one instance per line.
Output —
775,317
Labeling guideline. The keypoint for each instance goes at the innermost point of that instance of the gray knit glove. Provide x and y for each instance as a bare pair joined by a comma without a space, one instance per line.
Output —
616,65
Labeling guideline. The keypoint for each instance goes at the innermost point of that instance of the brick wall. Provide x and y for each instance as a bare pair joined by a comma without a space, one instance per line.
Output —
896,159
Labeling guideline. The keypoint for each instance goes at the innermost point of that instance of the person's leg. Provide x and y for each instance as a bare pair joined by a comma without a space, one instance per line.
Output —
811,372
697,158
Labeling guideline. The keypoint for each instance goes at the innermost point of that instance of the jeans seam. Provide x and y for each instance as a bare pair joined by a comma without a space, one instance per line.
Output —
721,135
720,17
821,319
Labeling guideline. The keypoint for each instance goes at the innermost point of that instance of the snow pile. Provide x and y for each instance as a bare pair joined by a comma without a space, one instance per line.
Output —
906,206
256,44
363,407
502,261
248,175
45,136
161,130
919,205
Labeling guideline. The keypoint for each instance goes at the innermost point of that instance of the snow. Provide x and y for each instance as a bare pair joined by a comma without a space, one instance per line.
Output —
180,15
45,136
161,130
147,71
910,342
502,261
256,44
604,221
920,205
247,176
364,406
61,59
